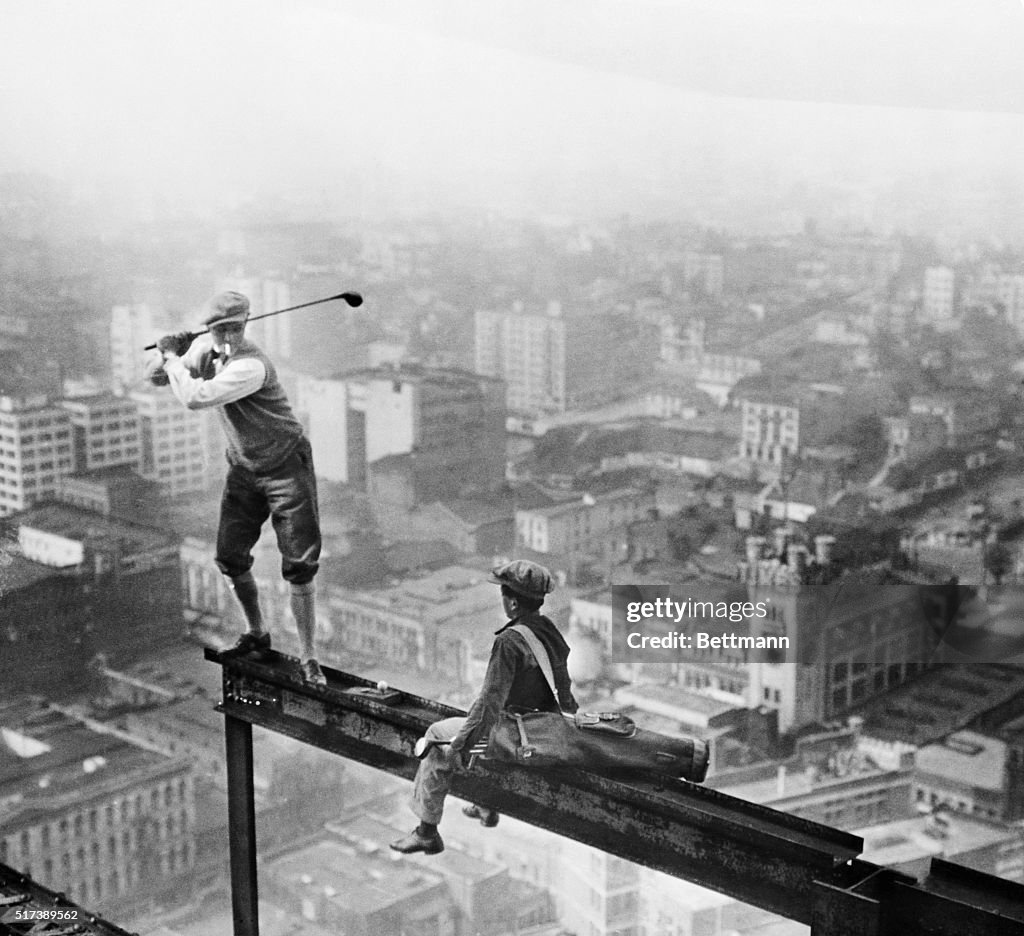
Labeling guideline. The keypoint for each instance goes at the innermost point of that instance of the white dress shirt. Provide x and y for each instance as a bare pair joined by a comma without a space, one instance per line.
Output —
233,380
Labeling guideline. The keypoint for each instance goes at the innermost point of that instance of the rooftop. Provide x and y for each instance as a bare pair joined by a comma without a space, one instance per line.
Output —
416,373
480,510
274,921
18,572
945,834
45,754
967,757
98,399
370,834
681,705
940,702
445,598
409,555
343,872
781,782
110,473
584,500
76,523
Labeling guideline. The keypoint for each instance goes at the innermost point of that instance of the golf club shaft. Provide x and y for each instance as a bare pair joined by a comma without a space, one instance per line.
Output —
352,299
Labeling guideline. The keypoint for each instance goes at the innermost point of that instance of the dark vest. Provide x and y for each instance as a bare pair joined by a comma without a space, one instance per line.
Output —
261,429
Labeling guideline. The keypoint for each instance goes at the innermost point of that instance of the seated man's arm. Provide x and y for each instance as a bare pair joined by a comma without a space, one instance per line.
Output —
506,658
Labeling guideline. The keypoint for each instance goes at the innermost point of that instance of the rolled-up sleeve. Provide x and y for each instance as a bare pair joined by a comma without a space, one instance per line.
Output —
238,379
506,658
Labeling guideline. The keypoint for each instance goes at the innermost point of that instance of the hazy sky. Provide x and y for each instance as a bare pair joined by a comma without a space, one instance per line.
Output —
209,101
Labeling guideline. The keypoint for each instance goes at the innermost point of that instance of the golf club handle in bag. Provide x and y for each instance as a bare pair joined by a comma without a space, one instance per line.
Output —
552,740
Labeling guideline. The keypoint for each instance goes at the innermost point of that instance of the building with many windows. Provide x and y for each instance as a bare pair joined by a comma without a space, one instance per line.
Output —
105,431
527,351
938,297
173,442
117,491
849,638
586,527
107,822
429,624
599,893
771,430
409,434
35,450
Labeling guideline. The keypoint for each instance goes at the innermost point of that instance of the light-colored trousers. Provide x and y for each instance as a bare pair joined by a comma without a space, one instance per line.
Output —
434,775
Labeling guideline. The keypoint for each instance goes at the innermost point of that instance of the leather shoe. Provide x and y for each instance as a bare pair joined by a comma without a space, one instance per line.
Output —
258,644
488,817
414,842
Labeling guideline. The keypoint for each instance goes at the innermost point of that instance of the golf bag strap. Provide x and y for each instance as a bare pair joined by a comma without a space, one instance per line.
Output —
540,654
523,739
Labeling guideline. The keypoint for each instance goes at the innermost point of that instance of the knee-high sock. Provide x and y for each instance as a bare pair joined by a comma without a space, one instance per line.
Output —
247,593
304,611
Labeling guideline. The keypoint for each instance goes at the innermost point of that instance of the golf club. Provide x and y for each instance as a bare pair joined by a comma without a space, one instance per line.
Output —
423,745
352,299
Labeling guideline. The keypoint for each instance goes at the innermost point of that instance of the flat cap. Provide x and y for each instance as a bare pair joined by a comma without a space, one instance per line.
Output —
226,307
524,578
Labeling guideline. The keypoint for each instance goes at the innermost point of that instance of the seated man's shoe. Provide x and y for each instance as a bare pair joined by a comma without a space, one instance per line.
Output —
258,644
312,673
488,817
415,842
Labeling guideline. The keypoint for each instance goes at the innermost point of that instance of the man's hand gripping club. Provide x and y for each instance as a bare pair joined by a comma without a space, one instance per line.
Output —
175,345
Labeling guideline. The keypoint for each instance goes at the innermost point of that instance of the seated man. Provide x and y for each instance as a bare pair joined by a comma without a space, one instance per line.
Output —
513,678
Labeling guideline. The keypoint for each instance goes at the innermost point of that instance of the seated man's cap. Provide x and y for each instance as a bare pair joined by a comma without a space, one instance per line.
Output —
226,307
523,577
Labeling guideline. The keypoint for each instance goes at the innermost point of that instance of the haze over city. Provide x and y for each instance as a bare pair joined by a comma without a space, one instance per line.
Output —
588,108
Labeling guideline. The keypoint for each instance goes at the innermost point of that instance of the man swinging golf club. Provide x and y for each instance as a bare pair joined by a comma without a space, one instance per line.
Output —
270,466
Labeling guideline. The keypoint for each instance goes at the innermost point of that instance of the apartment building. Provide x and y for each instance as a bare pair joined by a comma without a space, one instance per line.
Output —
173,446
107,822
105,432
35,450
528,351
